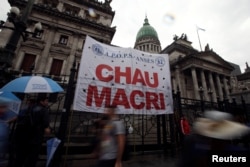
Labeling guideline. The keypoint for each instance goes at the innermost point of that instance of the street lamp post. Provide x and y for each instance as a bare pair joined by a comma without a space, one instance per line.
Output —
62,131
210,92
201,91
19,29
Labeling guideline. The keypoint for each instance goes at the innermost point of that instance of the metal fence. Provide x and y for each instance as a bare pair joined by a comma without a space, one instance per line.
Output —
151,132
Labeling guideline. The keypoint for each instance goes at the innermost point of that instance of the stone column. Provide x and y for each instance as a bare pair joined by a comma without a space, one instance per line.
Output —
183,85
226,87
219,86
195,82
45,53
204,85
48,65
211,82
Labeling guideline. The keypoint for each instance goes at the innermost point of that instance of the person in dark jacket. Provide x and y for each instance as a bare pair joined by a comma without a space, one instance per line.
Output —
4,131
212,138
32,124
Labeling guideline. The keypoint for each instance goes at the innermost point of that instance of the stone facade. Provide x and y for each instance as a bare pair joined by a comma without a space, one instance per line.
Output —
242,86
65,25
198,75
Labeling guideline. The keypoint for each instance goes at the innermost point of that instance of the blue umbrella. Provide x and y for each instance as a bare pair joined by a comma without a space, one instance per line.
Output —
12,101
33,84
8,96
52,145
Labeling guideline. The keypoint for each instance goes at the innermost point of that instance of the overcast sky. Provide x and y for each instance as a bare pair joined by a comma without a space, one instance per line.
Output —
226,24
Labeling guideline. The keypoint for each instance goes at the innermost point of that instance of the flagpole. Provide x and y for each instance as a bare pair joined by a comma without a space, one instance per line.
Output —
198,37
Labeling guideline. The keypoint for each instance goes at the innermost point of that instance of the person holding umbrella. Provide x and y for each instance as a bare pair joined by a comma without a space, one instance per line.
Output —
33,122
32,125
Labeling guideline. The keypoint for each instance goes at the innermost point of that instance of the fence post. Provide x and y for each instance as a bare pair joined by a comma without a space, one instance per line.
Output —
234,102
158,130
164,132
178,118
244,108
178,99
142,136
219,103
171,126
226,105
172,134
61,134
201,91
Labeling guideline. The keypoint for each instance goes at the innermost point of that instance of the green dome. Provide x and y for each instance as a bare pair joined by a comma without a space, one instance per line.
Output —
146,31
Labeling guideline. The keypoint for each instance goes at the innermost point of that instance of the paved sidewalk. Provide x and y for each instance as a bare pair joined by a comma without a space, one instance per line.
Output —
152,159
146,160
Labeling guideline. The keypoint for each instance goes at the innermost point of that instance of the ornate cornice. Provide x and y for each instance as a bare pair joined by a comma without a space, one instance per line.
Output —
178,47
243,76
67,17
62,49
195,61
33,43
104,7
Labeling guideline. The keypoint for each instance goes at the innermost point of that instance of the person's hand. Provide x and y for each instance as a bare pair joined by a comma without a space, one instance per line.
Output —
47,131
118,164
94,155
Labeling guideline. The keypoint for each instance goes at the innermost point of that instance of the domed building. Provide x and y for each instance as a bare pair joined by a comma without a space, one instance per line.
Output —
147,39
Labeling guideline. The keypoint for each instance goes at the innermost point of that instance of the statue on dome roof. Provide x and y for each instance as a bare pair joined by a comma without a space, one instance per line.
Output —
108,1
207,48
175,37
183,36
247,70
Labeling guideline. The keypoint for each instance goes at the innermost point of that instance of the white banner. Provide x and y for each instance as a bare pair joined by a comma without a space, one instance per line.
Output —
136,82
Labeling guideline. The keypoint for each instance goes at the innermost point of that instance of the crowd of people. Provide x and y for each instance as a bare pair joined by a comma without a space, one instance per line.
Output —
214,132
32,124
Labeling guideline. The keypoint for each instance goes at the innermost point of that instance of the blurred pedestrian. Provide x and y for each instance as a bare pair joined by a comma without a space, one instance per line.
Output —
212,134
32,124
185,127
112,140
98,126
4,131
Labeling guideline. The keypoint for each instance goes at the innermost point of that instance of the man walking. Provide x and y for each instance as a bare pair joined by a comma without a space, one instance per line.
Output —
112,140
32,124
